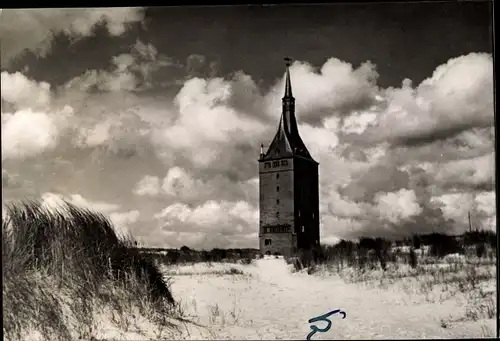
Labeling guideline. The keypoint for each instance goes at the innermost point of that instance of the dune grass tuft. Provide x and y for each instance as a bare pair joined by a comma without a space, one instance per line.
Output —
63,265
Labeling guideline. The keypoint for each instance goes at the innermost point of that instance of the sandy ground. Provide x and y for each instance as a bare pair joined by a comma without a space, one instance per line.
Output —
270,302
266,300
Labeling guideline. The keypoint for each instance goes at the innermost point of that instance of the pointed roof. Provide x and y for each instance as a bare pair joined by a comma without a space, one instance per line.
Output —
288,83
287,141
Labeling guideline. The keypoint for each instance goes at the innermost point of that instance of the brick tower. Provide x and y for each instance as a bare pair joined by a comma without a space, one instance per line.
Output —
288,187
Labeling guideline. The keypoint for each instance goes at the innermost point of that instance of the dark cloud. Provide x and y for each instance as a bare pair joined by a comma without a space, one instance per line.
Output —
34,30
379,178
441,133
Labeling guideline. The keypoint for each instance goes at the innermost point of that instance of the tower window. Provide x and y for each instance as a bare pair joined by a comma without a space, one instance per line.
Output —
277,188
267,242
284,162
277,214
299,213
277,201
276,164
313,215
302,228
267,165
277,176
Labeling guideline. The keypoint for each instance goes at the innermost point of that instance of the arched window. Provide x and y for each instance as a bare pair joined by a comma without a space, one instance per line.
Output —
277,188
277,176
277,201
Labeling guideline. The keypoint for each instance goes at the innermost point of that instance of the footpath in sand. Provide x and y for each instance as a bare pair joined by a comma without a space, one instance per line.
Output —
270,302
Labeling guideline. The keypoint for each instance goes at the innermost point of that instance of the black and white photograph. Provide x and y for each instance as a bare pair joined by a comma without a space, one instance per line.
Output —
249,172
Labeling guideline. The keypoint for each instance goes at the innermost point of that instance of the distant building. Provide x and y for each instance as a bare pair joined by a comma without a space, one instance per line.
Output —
288,187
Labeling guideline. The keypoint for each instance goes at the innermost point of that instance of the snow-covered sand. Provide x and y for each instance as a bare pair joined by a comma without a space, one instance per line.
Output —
268,301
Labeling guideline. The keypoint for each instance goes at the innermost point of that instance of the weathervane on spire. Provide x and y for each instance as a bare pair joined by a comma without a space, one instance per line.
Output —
288,61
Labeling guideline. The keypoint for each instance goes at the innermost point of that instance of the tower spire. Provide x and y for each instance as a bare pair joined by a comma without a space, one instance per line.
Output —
287,141
288,83
288,115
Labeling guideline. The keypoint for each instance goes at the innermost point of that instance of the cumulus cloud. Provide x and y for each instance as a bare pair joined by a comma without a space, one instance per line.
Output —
24,93
332,224
55,200
149,185
338,89
27,133
117,80
480,205
15,143
457,97
388,214
120,220
124,218
34,29
132,71
396,206
358,122
34,125
179,184
381,177
389,163
208,125
94,205
319,139
475,173
341,207
120,133
220,218
469,144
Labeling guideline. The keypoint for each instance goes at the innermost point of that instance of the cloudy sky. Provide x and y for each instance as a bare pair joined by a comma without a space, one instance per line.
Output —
155,116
